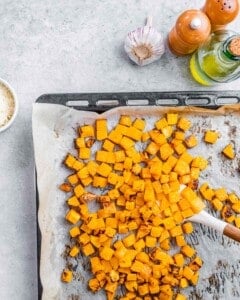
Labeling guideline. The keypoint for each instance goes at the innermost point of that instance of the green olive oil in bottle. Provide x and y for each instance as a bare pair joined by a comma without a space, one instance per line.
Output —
218,60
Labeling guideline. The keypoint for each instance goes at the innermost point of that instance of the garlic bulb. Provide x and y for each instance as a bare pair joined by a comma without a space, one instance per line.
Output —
145,44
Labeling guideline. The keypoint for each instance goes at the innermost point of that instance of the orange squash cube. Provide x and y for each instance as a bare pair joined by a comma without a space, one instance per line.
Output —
172,118
66,276
101,129
211,136
184,124
191,141
72,216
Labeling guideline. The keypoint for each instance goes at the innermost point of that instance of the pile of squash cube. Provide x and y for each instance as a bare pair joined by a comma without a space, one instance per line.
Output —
141,208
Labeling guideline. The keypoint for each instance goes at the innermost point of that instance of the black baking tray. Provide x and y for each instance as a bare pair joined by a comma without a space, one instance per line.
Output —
100,102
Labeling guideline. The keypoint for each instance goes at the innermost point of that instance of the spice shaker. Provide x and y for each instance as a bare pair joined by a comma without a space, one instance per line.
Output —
190,31
221,12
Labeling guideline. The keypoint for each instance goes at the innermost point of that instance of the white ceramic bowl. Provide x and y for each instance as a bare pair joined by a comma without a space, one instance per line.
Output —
9,123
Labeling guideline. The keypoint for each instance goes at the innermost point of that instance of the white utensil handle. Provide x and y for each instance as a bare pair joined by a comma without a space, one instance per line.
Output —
204,218
224,228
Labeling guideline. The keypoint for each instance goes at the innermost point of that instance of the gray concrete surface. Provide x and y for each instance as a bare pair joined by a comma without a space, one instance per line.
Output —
66,46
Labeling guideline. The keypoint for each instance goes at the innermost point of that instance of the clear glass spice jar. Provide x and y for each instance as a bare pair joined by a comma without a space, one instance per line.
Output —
218,60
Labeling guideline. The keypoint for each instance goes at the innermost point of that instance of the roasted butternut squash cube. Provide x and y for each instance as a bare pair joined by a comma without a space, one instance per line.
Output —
169,223
221,194
187,157
83,173
128,162
179,135
157,137
236,207
180,241
106,253
196,264
96,223
145,137
211,136
199,162
188,273
125,120
86,181
73,179
138,185
67,276
187,227
69,160
167,131
181,297
182,167
178,259
99,181
113,194
161,123
154,289
88,249
179,148
232,198
165,151
74,231
206,192
191,141
139,123
115,136
86,131
79,190
184,124
133,133
65,187
118,166
121,129
172,118
175,231
173,197
72,216
152,148
119,156
187,213
156,231
194,278
80,142
150,241
94,284
217,204
108,145
188,251
73,201
126,143
84,238
139,245
104,169
101,129
237,222
74,251
183,283
92,168
129,240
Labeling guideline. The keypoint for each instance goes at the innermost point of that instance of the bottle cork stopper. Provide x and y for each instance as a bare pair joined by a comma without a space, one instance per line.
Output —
234,46
196,23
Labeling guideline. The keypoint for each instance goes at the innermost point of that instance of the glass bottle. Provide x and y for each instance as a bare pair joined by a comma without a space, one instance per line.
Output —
218,60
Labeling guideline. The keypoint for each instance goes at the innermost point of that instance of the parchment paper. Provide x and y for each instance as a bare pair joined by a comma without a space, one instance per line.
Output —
53,133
